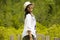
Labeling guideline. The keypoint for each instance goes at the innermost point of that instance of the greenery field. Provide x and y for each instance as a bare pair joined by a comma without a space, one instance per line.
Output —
47,13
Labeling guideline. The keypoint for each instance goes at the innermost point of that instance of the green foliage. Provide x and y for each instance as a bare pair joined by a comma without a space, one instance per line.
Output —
5,33
40,28
47,13
12,12
54,30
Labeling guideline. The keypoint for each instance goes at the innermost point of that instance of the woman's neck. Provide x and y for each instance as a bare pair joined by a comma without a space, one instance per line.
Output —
30,13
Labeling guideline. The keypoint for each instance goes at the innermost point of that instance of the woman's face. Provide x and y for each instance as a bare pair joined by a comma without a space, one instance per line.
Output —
30,8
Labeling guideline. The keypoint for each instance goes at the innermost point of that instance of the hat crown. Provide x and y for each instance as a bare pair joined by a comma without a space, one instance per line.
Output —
26,4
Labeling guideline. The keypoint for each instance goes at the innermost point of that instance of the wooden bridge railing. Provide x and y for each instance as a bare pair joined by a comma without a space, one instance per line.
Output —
39,37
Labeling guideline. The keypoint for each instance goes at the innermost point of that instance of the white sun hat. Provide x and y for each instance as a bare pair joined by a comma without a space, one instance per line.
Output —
26,4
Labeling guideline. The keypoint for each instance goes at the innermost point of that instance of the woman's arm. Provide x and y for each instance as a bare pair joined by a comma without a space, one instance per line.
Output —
30,35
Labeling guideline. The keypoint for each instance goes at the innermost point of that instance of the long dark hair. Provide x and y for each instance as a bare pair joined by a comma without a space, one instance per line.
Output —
26,11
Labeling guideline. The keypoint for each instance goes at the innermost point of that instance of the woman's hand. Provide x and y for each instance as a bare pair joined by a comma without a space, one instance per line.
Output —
29,32
30,35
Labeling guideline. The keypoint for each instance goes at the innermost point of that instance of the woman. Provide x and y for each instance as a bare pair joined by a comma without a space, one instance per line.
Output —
29,32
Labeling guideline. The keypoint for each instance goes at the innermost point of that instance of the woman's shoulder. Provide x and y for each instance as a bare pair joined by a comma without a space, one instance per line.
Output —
28,15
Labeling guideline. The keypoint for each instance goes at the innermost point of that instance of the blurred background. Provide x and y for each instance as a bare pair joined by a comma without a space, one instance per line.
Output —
47,13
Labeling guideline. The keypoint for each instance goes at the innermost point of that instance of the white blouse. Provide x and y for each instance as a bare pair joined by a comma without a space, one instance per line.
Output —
29,24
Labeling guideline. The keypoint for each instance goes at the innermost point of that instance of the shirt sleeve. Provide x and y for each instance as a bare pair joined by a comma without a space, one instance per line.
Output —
28,21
